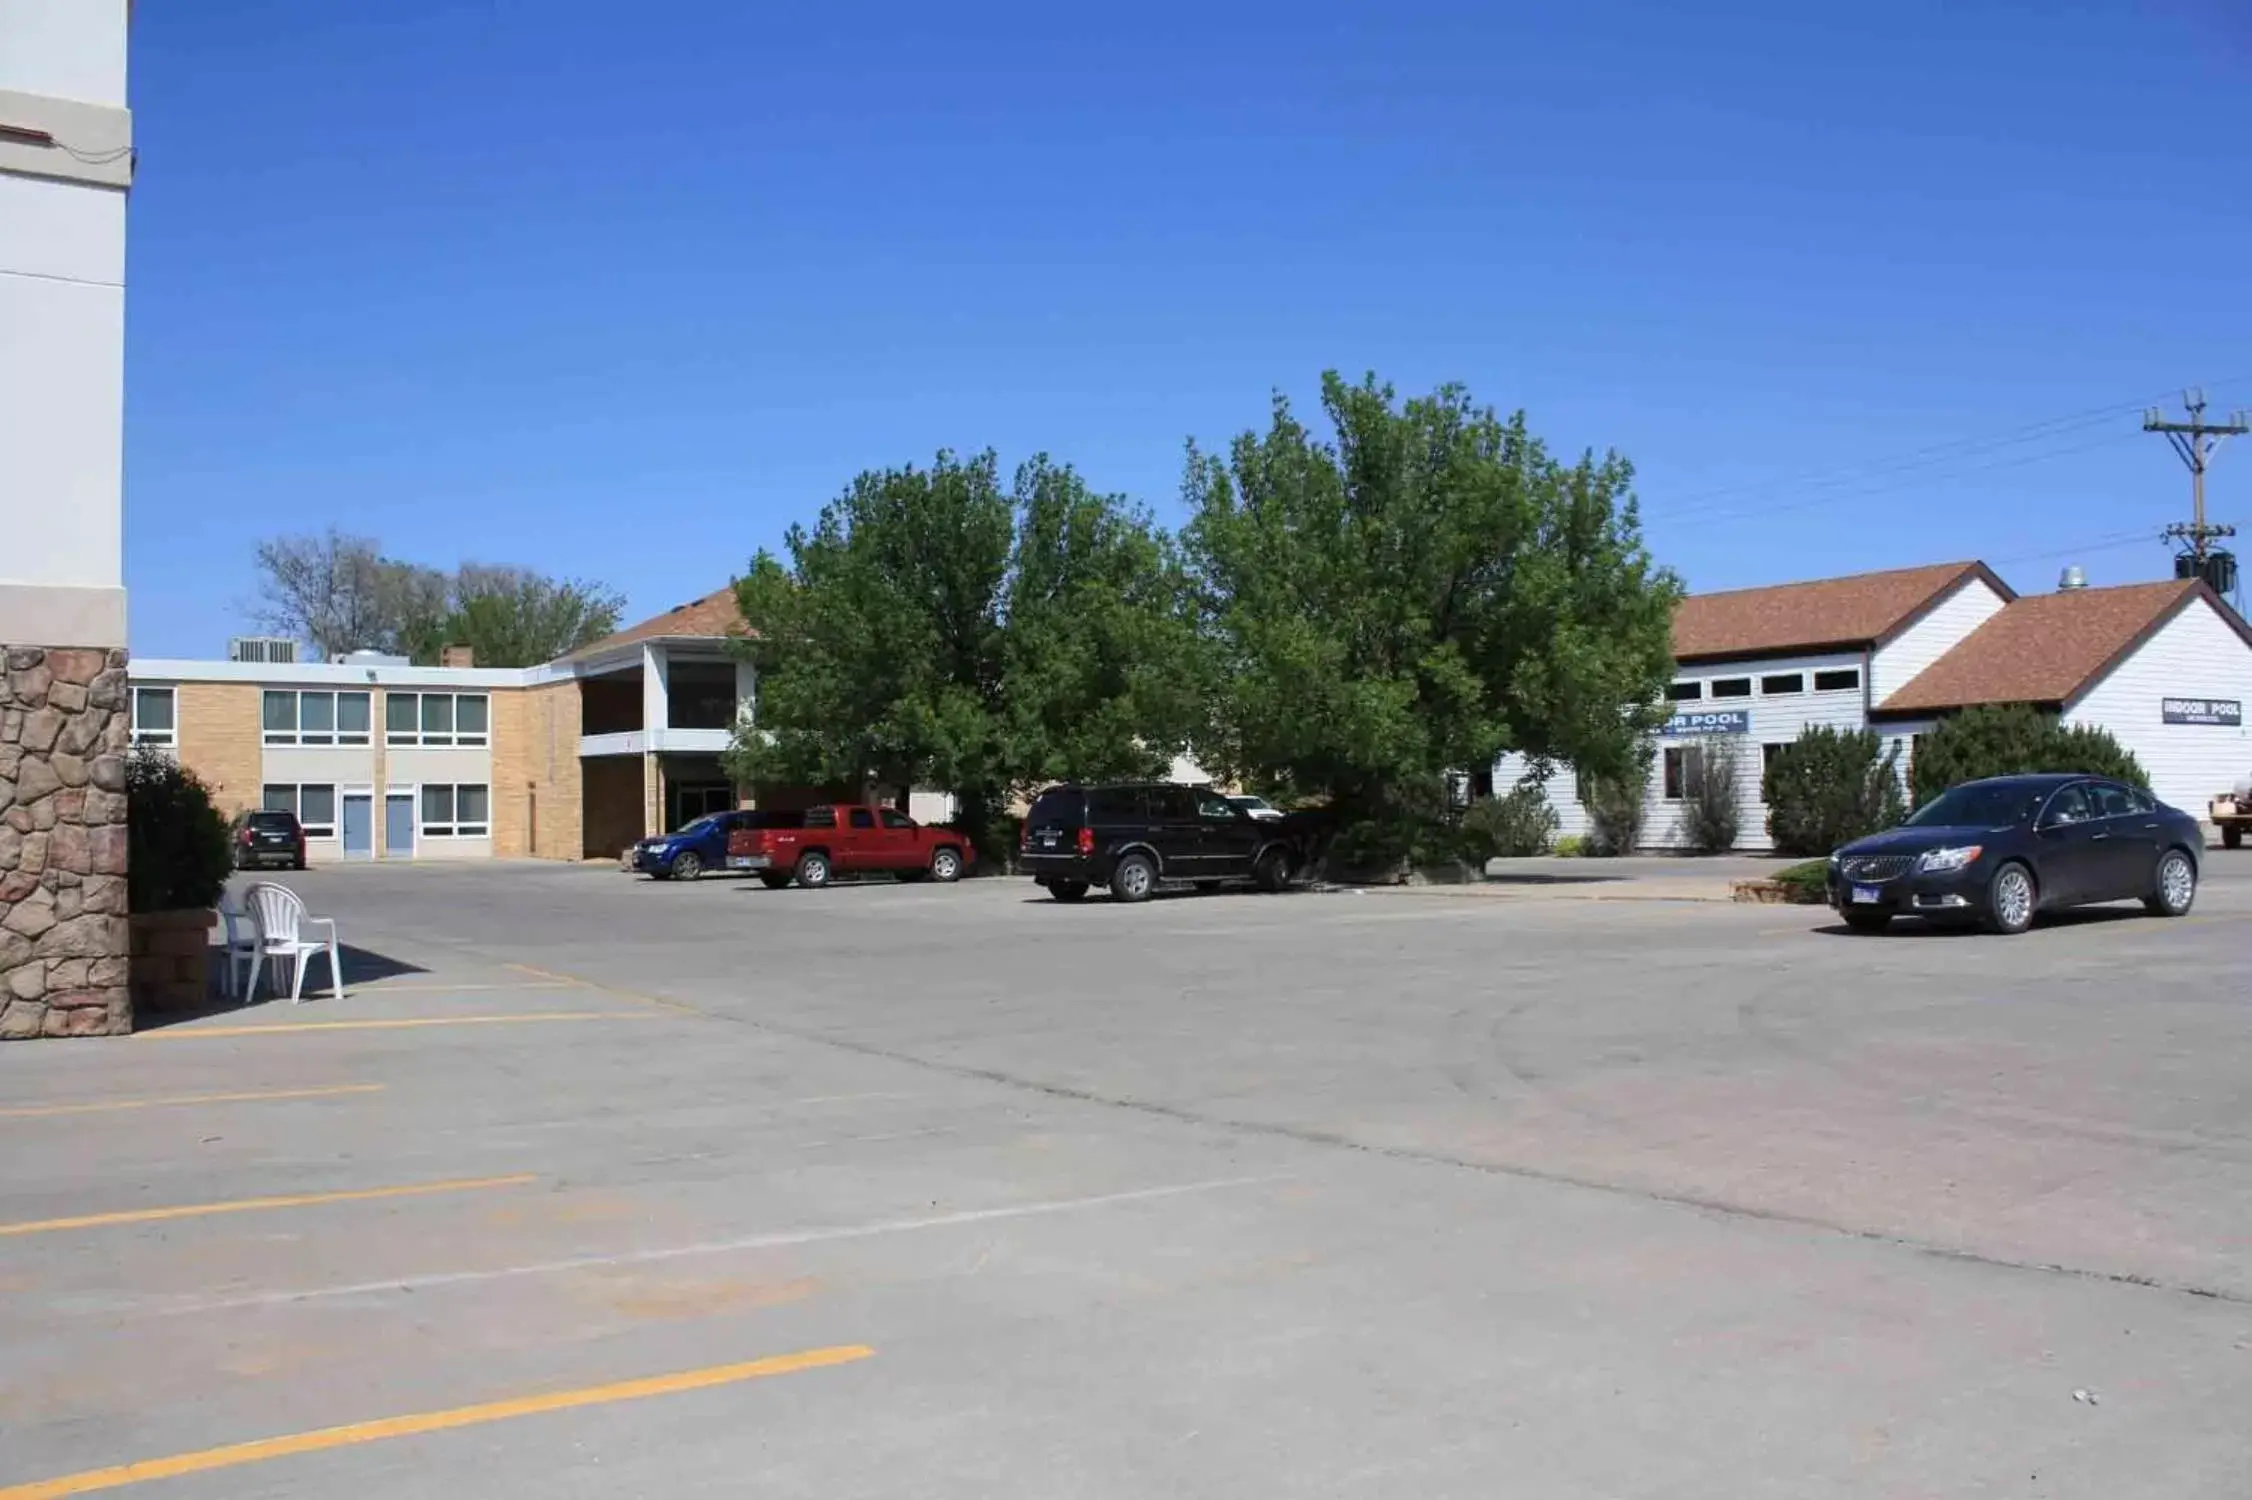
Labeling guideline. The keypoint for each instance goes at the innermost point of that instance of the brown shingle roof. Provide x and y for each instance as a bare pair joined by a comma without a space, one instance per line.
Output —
2046,648
713,615
1827,614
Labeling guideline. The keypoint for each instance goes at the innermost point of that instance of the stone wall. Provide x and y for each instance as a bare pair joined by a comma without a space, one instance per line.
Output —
64,721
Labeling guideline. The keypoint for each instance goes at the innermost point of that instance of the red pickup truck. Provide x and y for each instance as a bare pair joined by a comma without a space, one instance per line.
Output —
843,839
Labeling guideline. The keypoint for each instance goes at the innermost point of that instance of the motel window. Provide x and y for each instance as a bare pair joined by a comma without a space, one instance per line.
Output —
460,811
314,806
1844,680
155,716
1686,692
315,718
436,718
1783,682
1683,763
1732,687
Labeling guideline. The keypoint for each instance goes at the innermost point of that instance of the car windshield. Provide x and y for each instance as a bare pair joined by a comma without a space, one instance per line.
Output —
1250,804
1989,804
704,824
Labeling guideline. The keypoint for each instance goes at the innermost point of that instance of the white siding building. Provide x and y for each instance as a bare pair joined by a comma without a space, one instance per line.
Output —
2165,668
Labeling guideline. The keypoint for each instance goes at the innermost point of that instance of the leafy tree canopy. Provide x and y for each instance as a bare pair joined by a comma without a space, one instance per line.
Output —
1426,590
340,593
936,629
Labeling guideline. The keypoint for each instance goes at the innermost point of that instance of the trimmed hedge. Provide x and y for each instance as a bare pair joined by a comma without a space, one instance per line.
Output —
2012,739
176,851
1830,787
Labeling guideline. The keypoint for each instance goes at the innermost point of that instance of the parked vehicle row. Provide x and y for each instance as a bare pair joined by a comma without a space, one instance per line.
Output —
1129,838
2004,850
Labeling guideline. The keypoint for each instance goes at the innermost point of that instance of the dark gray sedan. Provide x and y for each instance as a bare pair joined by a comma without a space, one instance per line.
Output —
2004,850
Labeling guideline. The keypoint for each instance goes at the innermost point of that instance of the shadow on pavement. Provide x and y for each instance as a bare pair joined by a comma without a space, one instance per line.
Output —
1918,927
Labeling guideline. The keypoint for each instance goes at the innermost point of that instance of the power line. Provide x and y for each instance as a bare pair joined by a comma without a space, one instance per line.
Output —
1935,455
1892,486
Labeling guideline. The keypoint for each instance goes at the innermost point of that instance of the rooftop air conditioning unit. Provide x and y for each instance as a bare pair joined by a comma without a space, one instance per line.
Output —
262,648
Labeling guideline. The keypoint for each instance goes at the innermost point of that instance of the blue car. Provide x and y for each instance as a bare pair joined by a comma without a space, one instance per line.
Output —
687,853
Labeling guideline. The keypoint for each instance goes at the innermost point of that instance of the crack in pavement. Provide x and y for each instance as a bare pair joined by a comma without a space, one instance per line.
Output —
1314,1136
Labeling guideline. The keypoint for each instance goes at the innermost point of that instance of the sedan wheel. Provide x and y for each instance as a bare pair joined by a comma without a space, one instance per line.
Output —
2010,903
2176,887
686,866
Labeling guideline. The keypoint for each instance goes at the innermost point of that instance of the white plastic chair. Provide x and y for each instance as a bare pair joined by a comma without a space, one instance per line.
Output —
280,915
242,947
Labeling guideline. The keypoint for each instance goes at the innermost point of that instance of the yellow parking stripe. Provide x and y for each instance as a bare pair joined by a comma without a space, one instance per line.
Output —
90,1480
251,1205
35,1111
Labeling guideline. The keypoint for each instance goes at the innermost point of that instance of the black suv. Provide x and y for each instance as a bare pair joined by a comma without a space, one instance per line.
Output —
1133,836
265,838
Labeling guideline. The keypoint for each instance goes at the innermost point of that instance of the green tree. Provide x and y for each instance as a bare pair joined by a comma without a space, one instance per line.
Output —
340,593
514,617
1829,787
1425,591
2009,739
934,629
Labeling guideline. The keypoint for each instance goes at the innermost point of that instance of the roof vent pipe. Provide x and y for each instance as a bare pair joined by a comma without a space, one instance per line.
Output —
2073,578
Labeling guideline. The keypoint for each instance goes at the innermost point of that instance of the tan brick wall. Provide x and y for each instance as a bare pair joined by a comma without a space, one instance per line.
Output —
537,791
220,732
614,816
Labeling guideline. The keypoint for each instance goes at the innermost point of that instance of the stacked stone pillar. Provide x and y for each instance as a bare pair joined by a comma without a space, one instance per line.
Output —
64,942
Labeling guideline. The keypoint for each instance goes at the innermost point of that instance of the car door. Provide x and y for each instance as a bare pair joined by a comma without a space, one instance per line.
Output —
897,846
1228,838
858,843
2128,861
1175,832
2072,850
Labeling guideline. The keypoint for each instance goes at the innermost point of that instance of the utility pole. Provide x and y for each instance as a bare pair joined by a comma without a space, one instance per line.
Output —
2196,440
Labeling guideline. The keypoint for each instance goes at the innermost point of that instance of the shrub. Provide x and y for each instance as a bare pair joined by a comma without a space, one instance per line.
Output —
2009,739
1714,798
1510,826
176,843
1808,882
1830,787
1571,846
1615,805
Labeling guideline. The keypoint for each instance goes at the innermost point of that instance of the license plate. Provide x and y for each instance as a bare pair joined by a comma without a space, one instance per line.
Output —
1046,838
746,861
1866,895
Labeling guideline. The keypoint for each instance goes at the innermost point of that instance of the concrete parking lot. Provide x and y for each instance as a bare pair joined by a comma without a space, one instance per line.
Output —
594,1186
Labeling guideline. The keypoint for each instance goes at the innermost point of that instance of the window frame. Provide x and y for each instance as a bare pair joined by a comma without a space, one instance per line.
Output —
1731,687
422,733
169,736
1768,688
1826,680
862,820
1691,691
319,739
892,817
1681,764
295,790
454,825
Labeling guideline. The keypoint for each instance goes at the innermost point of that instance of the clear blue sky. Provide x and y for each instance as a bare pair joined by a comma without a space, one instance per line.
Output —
622,291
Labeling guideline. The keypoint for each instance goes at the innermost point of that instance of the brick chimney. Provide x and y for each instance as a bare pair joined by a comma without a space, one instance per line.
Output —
456,656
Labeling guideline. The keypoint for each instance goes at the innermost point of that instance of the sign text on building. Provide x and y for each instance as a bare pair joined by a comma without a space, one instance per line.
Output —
2225,711
1709,721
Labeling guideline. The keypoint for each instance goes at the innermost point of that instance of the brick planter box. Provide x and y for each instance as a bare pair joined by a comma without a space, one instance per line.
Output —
171,963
